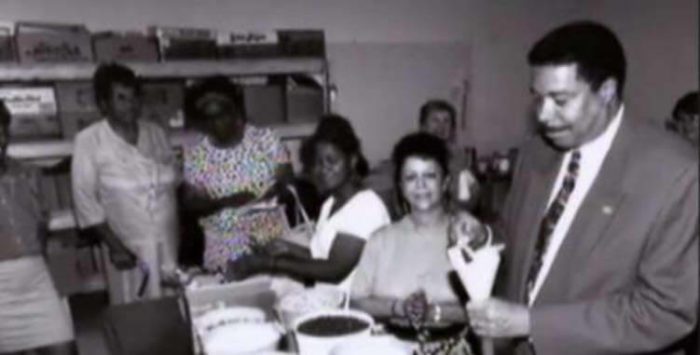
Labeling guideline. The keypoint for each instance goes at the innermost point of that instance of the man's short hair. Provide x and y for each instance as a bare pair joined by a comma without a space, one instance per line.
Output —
437,105
106,75
593,47
688,104
5,116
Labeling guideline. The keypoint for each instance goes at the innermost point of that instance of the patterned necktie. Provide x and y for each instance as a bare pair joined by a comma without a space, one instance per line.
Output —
551,218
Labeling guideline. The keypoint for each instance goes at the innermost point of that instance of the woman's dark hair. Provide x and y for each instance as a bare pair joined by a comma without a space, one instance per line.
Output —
108,74
687,104
593,47
422,145
218,84
337,130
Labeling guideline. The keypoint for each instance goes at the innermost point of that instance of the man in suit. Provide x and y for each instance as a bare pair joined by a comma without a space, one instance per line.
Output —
601,224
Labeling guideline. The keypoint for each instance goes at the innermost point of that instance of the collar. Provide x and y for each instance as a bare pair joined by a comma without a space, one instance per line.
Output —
602,143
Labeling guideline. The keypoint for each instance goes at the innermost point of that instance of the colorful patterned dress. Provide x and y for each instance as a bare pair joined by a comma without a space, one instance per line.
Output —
219,172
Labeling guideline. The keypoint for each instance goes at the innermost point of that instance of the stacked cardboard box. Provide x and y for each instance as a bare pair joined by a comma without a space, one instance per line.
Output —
185,43
111,46
33,110
46,42
77,107
264,104
302,43
163,101
252,44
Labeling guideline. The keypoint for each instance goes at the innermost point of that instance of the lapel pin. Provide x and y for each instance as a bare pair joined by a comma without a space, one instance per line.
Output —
608,210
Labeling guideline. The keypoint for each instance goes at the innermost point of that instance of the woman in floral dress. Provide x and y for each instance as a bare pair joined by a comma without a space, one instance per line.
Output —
230,165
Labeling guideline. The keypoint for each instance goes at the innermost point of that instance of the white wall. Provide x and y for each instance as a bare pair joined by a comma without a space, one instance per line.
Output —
661,42
382,85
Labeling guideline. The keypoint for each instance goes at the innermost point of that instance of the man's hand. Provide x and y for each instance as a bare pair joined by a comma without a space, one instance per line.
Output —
122,257
499,319
465,228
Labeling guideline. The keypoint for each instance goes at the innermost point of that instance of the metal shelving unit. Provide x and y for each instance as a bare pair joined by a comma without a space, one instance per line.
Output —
51,149
165,70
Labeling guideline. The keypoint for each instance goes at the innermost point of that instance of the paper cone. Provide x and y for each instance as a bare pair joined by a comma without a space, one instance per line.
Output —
479,274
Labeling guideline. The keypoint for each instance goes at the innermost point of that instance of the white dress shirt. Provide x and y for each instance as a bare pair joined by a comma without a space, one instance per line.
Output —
593,154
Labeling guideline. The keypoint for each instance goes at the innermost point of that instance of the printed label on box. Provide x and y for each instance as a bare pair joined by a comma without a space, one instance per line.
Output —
253,37
29,101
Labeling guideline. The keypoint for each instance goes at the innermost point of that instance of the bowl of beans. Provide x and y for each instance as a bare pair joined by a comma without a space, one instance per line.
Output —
317,333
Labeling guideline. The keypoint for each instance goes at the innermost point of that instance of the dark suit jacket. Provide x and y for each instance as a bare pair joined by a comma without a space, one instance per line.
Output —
625,279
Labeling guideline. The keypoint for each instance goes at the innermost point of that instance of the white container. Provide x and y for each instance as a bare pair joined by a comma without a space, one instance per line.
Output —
384,345
299,303
239,339
236,330
322,345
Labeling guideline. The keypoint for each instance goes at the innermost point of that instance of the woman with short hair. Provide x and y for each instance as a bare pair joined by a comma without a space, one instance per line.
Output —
403,277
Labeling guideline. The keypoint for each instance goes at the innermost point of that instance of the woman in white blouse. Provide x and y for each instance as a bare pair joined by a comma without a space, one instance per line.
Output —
349,215
124,175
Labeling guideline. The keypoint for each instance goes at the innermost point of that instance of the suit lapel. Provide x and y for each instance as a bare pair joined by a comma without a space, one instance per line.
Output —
593,217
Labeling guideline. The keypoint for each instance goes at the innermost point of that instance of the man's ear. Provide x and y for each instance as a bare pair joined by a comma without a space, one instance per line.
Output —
608,90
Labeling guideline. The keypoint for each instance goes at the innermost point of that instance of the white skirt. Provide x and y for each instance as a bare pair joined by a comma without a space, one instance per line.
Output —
32,314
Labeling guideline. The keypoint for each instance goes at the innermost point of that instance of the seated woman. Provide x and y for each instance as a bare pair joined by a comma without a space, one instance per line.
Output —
349,215
403,277
231,165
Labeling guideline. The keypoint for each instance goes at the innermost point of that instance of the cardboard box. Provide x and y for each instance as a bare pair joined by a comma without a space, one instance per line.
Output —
264,104
304,104
33,110
73,122
7,43
7,49
232,51
125,47
251,44
76,106
252,292
162,103
76,96
186,43
30,127
183,49
302,43
42,42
